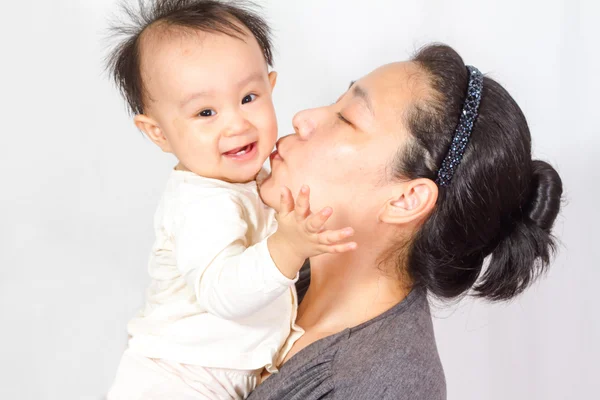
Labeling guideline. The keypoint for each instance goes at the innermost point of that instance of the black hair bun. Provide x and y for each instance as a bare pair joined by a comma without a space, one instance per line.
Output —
524,254
546,195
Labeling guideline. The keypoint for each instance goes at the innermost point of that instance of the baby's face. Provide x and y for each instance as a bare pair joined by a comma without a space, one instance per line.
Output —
208,101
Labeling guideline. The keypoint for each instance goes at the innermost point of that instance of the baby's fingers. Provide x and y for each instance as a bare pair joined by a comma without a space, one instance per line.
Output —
333,237
286,201
315,222
340,248
303,203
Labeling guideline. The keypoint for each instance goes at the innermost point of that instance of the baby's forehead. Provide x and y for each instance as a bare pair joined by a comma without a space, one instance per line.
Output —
160,36
172,58
161,44
163,40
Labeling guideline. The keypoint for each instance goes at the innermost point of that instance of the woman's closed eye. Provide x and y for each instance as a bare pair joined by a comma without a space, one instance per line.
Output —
344,120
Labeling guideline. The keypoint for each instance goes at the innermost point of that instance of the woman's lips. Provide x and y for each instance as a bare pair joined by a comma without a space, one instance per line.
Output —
275,156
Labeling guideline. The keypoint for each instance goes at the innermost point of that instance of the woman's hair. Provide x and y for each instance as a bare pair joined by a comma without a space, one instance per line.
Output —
500,203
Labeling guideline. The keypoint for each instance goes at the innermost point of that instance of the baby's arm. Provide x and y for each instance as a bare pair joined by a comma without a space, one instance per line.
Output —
230,278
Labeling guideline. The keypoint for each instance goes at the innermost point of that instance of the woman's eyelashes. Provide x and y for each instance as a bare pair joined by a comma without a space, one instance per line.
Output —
344,120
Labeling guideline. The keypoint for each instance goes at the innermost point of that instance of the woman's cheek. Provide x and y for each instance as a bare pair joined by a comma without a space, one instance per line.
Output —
335,164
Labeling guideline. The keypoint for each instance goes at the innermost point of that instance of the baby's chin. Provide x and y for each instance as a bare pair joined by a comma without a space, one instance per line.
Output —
268,192
245,175
241,173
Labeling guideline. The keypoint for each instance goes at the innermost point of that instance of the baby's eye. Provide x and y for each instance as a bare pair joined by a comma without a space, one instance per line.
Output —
207,113
249,98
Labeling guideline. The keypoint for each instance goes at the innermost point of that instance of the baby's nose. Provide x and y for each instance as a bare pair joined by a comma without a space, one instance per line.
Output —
237,125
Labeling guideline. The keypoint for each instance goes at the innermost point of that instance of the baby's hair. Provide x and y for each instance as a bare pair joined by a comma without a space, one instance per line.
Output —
123,61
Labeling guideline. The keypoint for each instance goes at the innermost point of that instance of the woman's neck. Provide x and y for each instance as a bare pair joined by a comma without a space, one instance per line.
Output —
346,290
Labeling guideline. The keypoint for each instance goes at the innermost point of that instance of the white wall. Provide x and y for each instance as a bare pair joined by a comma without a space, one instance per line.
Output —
79,185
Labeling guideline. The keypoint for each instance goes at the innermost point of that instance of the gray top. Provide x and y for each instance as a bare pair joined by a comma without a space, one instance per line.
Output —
392,356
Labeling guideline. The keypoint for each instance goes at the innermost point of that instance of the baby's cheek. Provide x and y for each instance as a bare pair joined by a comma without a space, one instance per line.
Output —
273,133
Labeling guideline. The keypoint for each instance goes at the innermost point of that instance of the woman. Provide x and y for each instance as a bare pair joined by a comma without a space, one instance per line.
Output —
430,163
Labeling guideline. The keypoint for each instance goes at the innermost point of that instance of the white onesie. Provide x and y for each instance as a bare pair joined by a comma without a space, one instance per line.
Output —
217,307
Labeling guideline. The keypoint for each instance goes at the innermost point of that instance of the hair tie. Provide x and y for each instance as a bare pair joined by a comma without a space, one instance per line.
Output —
464,128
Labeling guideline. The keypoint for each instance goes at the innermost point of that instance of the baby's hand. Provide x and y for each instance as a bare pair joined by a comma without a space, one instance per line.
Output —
300,233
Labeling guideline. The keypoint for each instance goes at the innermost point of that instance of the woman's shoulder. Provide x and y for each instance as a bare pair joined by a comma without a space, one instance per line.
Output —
393,356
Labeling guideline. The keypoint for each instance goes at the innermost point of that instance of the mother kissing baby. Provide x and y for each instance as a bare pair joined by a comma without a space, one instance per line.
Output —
427,160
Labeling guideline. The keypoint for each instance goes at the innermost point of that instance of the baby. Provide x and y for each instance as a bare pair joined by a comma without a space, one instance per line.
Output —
221,302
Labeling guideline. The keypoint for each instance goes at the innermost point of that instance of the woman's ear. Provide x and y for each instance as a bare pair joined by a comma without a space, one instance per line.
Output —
273,79
151,129
412,203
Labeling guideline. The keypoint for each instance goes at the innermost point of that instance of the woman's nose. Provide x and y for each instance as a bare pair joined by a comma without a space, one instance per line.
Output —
304,123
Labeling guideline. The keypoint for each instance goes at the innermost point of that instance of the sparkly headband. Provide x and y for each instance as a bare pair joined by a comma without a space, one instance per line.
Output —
464,128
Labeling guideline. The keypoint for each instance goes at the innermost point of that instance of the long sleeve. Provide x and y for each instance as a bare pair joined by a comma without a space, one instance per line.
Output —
231,278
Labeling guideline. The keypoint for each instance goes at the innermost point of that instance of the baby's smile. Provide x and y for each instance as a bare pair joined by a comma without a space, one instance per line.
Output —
243,153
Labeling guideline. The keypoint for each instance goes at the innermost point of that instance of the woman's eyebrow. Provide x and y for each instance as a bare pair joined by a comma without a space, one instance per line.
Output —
360,92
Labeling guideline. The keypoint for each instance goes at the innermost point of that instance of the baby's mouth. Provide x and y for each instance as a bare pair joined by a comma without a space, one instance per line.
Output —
240,151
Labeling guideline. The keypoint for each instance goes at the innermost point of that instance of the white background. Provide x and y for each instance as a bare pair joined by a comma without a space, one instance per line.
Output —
79,184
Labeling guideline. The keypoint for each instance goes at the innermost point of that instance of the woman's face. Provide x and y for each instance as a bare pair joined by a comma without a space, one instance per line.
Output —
344,152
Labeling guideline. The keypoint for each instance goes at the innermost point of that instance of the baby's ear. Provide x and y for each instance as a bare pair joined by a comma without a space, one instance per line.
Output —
273,79
151,128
